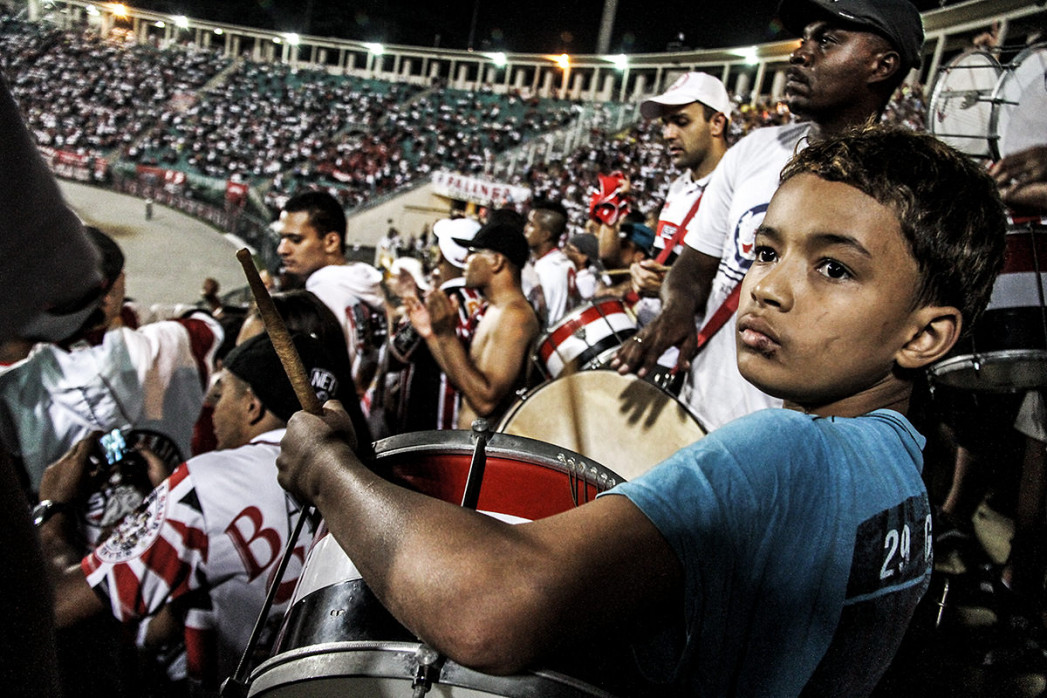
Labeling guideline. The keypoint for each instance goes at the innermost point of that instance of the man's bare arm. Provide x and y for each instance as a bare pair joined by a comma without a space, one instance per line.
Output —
74,598
486,376
488,594
684,293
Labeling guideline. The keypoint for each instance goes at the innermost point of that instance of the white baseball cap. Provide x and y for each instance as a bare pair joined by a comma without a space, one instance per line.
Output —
688,88
449,228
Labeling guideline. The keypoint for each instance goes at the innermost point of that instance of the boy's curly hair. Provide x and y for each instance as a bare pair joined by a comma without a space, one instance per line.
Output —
948,207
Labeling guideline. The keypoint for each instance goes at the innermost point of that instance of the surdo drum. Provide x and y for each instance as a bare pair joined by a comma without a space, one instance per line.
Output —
987,110
960,110
587,337
624,422
1007,349
338,640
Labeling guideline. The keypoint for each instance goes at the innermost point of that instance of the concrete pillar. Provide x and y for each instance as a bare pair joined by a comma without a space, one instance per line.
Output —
758,81
640,86
576,85
547,85
434,69
463,73
520,75
778,85
741,85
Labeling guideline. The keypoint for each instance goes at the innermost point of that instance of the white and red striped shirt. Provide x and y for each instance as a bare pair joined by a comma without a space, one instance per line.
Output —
211,535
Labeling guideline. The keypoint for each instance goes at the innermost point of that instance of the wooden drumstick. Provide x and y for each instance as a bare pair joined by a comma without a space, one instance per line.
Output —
616,272
281,338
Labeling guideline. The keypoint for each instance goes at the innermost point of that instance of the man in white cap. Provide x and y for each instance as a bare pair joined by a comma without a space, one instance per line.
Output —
852,55
695,112
427,399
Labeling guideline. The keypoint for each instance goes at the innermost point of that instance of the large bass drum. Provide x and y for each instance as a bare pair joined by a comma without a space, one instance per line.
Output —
1019,118
960,112
624,422
338,640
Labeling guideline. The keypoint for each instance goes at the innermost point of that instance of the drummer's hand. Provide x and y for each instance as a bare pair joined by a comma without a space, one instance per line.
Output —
311,444
64,479
647,277
1022,178
640,353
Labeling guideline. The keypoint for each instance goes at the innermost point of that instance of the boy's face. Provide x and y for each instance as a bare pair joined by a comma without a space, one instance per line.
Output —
826,306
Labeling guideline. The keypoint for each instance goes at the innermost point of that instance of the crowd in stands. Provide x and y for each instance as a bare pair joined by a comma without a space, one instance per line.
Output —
282,129
81,93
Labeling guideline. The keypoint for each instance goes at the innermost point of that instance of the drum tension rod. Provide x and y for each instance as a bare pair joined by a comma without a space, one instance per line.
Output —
471,493
427,672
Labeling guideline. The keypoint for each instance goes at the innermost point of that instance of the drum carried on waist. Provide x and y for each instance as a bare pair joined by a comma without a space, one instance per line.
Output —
960,112
1007,349
585,338
624,422
1020,103
337,639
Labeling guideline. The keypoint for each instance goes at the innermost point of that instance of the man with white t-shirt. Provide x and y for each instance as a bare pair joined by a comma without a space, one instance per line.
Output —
312,248
852,56
204,545
549,277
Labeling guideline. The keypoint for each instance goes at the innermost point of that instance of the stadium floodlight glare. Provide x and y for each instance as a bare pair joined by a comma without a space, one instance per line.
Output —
93,11
750,55
375,48
564,61
499,59
119,10
182,22
293,39
160,24
219,31
621,61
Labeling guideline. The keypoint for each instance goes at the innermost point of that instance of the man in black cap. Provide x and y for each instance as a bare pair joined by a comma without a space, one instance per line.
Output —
489,370
204,542
852,55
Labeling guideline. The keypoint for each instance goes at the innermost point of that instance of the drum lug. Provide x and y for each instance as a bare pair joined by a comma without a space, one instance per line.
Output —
427,671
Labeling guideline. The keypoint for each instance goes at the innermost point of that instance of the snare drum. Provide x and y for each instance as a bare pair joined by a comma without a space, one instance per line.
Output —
585,338
1020,103
1007,349
624,422
337,639
961,106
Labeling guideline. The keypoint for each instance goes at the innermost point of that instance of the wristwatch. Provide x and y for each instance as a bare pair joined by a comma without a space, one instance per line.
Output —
46,509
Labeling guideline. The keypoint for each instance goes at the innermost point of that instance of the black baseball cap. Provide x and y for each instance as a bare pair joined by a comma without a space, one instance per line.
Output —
896,20
256,363
500,237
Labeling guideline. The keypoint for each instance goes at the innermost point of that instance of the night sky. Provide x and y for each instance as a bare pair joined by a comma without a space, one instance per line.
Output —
532,26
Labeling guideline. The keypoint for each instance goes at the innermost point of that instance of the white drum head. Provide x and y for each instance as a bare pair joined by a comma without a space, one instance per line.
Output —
1020,103
961,106
621,422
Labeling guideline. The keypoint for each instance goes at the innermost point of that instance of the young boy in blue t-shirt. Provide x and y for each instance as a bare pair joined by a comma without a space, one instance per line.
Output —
784,552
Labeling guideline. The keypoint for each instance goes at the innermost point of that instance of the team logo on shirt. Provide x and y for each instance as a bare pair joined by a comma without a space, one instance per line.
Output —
138,531
744,238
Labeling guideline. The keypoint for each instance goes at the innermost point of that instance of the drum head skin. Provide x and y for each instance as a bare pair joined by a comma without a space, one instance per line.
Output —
1020,103
622,422
961,106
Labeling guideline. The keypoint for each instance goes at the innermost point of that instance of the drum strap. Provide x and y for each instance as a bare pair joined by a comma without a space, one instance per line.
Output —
681,230
719,318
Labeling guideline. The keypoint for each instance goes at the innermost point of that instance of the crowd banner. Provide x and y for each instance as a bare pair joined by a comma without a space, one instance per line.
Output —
477,191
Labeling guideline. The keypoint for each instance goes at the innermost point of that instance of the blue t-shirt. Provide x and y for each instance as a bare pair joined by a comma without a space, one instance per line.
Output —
805,545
